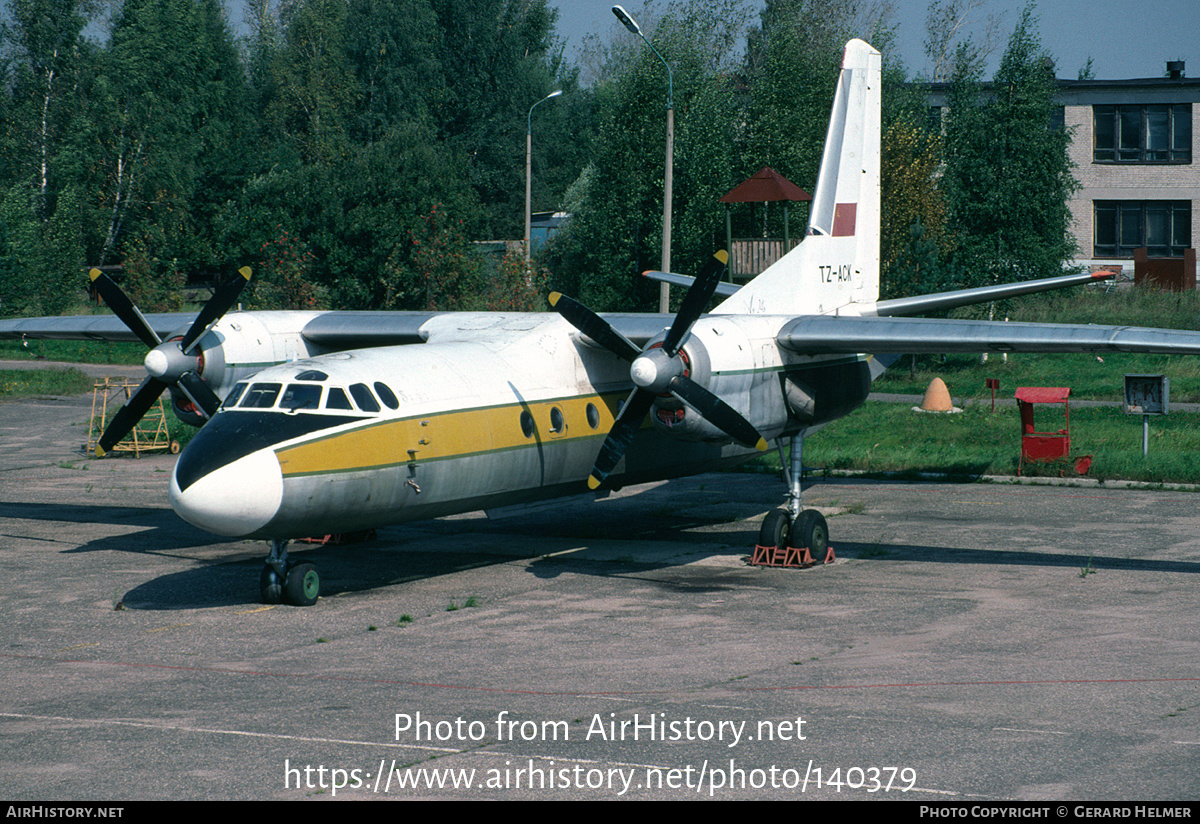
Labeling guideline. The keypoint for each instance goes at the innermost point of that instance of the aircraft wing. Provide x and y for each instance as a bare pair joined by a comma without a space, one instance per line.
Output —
353,330
828,334
89,327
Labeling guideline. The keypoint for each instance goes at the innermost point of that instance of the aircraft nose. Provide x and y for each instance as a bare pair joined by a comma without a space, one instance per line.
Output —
234,499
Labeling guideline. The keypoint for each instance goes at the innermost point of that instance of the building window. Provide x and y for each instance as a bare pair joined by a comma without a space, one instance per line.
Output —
1164,227
1159,133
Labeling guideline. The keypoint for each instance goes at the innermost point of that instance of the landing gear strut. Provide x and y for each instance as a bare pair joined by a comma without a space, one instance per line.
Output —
791,535
284,582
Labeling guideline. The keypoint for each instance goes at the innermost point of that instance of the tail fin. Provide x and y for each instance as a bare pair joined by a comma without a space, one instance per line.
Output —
837,263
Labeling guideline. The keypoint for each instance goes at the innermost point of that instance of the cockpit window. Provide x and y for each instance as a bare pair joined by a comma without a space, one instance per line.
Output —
337,399
261,396
232,398
301,396
386,395
363,397
312,375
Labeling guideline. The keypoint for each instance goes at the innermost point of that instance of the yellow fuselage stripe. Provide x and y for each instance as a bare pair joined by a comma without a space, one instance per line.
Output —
443,435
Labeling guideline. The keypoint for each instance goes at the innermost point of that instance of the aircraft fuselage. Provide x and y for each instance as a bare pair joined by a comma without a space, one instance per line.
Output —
494,410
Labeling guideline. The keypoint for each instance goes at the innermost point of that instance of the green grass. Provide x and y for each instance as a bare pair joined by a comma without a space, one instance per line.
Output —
18,383
892,438
885,437
73,351
1088,377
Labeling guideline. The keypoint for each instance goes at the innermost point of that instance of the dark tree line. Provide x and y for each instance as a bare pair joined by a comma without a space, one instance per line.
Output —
351,150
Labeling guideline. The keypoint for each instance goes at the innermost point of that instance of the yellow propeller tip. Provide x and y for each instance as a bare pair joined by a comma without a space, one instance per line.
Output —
245,272
722,256
593,482
100,453
93,274
761,446
554,296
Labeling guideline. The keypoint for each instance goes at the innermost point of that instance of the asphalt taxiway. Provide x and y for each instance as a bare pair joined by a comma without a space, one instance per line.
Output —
972,643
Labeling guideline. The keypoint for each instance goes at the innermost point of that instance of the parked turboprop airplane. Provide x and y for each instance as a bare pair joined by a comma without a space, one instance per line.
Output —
338,421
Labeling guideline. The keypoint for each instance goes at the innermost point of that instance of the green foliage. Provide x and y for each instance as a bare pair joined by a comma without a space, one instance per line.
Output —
168,100
1007,176
515,286
793,62
285,274
357,147
41,261
442,260
617,230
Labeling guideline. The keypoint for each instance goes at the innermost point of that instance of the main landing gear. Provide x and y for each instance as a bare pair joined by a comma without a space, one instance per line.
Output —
284,582
792,536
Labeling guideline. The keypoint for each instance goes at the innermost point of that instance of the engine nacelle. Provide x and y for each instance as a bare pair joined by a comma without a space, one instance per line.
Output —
239,345
723,357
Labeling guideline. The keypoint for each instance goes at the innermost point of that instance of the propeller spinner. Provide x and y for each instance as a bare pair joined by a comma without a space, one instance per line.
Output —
173,364
658,370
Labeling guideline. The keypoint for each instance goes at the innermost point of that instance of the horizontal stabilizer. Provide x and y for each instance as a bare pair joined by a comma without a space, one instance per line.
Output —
942,301
724,289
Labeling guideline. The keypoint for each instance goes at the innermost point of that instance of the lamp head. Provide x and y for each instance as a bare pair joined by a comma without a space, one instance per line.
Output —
626,21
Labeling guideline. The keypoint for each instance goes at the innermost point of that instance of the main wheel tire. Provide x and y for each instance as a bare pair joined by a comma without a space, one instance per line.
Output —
812,533
776,528
303,585
269,586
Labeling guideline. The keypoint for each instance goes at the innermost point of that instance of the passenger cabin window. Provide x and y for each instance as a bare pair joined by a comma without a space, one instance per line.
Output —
363,397
261,396
301,396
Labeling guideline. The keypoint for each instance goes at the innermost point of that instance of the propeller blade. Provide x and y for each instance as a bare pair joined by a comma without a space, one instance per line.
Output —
123,307
697,297
129,414
199,393
620,436
221,302
717,412
594,326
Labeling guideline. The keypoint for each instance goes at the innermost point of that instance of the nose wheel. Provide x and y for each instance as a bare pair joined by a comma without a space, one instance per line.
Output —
283,582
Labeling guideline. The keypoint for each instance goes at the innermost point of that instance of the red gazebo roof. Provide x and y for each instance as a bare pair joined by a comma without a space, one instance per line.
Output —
766,184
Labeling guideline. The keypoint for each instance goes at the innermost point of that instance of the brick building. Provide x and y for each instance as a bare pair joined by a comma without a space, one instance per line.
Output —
1133,150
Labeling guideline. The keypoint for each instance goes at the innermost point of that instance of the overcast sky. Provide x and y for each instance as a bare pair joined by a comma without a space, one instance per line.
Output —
1125,39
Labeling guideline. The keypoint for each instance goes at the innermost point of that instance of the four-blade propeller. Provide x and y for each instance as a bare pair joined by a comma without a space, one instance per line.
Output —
658,370
171,365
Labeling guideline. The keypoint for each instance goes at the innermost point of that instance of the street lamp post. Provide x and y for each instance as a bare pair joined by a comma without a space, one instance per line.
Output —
664,293
529,169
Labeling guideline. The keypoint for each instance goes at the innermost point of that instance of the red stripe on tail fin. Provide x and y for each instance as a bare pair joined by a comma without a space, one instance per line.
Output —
845,215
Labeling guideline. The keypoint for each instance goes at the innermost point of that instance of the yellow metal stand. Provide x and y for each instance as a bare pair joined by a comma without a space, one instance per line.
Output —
150,434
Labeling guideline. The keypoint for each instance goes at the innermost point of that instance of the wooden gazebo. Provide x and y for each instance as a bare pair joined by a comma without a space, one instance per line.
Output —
748,257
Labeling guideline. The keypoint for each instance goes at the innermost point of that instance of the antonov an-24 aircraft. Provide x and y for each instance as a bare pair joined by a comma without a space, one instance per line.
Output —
332,422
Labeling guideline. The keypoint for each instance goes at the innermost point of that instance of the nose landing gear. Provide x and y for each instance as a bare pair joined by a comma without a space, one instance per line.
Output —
298,584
